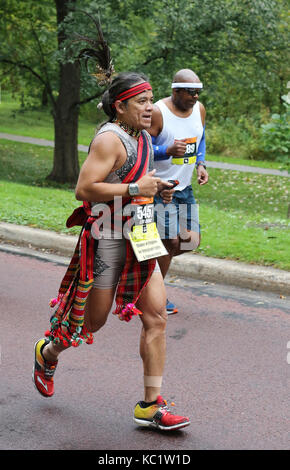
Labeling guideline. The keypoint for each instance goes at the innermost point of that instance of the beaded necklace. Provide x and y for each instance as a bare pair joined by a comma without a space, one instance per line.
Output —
128,129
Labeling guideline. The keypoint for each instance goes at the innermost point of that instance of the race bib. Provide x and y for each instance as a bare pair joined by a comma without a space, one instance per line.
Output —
144,238
190,153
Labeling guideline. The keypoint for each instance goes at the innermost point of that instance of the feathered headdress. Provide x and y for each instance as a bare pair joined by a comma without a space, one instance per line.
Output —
99,51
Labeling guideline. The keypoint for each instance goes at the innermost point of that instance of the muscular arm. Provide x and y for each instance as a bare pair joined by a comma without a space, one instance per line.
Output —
156,122
105,151
202,113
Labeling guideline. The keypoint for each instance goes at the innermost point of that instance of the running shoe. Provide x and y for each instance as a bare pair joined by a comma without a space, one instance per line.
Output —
158,416
43,370
170,308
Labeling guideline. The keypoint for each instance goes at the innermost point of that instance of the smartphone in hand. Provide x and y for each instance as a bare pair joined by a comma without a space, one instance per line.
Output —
174,182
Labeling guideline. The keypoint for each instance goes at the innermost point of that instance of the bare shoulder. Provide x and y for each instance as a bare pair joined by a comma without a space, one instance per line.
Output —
202,112
106,143
156,122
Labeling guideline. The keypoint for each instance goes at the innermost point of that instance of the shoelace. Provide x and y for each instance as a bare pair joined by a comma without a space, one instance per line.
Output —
162,411
49,371
165,406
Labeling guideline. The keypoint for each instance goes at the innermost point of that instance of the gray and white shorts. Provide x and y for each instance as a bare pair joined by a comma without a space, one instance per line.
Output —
109,261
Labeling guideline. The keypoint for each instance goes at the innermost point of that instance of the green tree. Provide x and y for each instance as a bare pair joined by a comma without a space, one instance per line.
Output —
33,46
235,47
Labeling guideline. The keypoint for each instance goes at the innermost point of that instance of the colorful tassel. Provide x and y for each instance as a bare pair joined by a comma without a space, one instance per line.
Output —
53,302
61,332
125,313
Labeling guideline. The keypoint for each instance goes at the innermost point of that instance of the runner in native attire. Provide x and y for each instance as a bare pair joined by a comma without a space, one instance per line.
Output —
116,175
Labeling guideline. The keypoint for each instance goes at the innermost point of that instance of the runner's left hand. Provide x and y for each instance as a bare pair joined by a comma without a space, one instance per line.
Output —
202,175
165,192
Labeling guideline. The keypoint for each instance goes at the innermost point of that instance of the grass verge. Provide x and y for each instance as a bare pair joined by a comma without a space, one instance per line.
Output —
243,216
38,123
243,161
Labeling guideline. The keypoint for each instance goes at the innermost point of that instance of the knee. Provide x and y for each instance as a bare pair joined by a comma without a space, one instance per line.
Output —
189,244
160,321
94,326
156,326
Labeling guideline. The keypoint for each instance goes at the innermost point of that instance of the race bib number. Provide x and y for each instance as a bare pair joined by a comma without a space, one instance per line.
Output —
144,238
190,153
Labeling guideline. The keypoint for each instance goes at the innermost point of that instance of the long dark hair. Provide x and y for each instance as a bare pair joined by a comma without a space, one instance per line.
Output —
121,82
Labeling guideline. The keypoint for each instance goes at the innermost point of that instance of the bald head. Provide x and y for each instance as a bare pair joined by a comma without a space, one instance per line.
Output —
186,88
185,75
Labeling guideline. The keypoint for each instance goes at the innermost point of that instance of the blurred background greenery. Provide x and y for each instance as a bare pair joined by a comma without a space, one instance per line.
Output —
240,51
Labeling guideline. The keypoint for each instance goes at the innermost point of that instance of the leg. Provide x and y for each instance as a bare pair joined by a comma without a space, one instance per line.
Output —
46,353
153,342
172,246
166,217
153,411
178,223
188,241
97,308
112,254
108,263
189,236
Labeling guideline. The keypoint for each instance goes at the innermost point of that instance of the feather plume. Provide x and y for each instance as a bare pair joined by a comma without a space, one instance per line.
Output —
97,51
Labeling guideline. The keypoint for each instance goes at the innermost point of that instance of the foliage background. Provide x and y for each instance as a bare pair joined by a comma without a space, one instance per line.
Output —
239,49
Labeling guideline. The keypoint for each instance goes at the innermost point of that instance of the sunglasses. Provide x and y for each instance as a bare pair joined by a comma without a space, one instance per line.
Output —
191,91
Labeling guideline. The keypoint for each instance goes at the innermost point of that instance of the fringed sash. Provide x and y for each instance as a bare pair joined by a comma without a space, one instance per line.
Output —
67,323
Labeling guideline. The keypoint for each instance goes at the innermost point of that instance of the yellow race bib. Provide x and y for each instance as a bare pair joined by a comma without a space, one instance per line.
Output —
144,238
190,153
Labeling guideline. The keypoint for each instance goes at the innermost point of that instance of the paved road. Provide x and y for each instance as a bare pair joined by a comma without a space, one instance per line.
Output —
220,165
227,368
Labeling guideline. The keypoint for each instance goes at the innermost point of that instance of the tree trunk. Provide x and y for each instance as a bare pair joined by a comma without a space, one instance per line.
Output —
66,114
44,98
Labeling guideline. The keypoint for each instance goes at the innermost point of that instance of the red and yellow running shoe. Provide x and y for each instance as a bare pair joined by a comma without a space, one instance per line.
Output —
43,370
159,416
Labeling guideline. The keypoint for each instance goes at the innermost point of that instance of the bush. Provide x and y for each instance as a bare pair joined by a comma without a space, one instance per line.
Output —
261,137
235,138
276,137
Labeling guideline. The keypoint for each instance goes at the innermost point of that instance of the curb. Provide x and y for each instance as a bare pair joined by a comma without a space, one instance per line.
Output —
232,273
38,238
186,265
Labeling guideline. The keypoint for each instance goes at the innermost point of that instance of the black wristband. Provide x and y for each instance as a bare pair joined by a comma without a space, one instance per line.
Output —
201,163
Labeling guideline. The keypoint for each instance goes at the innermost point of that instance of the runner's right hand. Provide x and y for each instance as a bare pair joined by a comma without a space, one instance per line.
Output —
148,184
178,148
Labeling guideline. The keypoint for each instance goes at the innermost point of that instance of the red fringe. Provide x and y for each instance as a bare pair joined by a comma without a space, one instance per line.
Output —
58,335
125,313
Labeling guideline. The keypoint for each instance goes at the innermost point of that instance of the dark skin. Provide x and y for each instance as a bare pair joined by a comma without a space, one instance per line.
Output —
181,104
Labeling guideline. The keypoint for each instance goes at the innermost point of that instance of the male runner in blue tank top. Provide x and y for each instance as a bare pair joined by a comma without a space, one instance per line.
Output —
178,138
